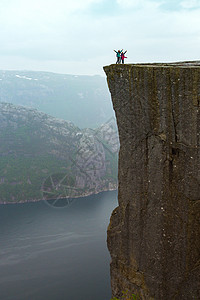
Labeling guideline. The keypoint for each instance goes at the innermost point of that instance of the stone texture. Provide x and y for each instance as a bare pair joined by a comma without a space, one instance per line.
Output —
154,233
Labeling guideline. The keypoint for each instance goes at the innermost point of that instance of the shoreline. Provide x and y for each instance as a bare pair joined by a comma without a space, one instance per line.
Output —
76,197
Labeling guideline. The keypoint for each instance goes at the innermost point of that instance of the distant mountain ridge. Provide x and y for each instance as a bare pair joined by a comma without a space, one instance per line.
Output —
42,157
84,100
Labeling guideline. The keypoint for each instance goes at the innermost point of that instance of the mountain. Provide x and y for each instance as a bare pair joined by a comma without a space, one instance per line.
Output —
83,100
42,157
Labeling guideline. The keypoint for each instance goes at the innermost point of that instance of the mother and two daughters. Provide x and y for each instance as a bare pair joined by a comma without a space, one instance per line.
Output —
120,56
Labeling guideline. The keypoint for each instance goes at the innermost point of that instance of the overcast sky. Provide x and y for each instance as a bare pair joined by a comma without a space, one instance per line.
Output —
78,36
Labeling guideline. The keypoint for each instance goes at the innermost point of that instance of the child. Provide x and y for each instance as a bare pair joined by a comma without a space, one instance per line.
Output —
123,56
118,55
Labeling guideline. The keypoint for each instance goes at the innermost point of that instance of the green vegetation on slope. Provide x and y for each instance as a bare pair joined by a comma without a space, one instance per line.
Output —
45,158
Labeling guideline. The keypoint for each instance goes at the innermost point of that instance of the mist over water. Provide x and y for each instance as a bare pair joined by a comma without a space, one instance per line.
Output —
56,254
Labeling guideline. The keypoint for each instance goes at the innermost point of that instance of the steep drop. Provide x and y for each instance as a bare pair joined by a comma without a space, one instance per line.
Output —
154,233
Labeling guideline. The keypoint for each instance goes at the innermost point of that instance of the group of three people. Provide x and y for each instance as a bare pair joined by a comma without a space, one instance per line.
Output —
120,56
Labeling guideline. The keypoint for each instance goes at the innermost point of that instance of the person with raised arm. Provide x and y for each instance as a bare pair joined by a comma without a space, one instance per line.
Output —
123,56
118,55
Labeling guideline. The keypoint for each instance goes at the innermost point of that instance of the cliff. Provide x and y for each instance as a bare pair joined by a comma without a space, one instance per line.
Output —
154,233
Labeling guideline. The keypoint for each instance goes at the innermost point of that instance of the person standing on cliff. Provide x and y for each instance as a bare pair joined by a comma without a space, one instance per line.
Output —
123,56
118,55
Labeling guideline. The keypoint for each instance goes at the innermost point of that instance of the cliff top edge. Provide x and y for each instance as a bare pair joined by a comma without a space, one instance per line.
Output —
182,64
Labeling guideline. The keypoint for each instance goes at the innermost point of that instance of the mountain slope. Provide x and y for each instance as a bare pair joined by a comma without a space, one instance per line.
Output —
84,100
42,157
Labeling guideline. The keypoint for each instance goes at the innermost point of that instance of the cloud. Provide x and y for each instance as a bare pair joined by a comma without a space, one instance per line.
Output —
104,8
79,36
22,12
138,4
190,4
162,4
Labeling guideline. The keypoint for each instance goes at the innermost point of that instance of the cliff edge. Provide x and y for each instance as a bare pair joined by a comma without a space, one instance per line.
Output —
154,233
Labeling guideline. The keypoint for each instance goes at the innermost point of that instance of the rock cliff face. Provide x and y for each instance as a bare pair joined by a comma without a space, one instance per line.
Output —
154,233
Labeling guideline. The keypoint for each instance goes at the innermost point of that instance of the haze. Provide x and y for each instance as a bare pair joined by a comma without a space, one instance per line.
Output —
78,37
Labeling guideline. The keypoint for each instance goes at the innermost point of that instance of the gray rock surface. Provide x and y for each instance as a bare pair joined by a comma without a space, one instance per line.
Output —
154,233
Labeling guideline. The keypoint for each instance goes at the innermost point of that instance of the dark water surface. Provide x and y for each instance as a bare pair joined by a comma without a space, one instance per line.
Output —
56,254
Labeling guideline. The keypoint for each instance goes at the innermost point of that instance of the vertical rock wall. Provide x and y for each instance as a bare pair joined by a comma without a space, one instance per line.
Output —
154,233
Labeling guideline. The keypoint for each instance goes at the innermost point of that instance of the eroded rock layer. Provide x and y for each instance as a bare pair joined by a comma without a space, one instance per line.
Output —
154,233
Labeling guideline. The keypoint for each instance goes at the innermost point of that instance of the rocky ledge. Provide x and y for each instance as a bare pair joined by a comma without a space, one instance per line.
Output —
154,233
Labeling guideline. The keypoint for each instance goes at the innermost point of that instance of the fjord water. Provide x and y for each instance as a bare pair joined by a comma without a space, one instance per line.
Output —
56,253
